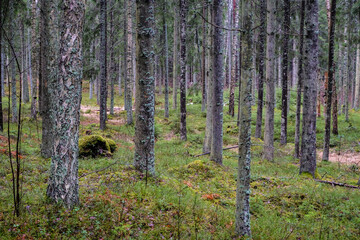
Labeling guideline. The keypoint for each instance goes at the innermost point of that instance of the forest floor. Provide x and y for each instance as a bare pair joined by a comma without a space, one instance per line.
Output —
190,197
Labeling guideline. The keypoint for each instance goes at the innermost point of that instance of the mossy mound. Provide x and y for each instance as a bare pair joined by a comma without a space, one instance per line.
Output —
95,145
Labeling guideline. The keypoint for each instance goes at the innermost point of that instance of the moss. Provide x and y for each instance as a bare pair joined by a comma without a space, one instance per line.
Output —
93,146
309,175
112,145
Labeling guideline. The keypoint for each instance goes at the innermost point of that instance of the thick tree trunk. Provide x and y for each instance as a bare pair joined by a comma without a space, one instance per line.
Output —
242,220
145,88
218,84
311,65
44,79
103,64
300,78
1,72
66,94
284,98
183,10
129,63
262,39
329,89
270,83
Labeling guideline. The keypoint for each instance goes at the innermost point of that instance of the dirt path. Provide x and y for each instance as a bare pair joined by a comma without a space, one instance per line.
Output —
91,114
350,158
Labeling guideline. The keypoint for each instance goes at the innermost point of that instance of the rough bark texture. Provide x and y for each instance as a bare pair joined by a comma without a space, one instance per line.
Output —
32,58
66,94
112,72
129,63
284,68
234,49
14,110
145,88
242,221
183,10
329,89
262,39
270,83
300,81
24,71
218,85
311,65
166,114
1,71
346,90
44,76
103,63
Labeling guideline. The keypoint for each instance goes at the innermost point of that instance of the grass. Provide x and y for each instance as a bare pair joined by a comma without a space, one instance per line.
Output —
190,198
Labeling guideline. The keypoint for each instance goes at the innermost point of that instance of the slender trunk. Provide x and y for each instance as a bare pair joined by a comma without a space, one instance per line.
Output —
145,85
262,39
234,50
103,63
183,10
347,60
357,81
270,83
242,220
120,72
311,64
112,72
284,99
329,93
203,54
25,83
218,82
175,58
129,63
1,73
300,81
64,182
14,109
166,114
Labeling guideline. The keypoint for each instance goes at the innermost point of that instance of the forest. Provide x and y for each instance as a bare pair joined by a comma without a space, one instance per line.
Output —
180,119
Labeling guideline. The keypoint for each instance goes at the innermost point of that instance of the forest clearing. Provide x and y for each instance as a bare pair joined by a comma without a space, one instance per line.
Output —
180,119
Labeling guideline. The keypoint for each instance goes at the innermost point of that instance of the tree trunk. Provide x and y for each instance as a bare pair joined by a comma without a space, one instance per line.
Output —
175,58
242,221
166,114
129,63
183,10
218,83
270,83
145,88
346,91
14,110
63,182
311,64
112,72
24,71
203,54
262,39
357,81
329,89
233,55
284,98
1,72
103,63
300,77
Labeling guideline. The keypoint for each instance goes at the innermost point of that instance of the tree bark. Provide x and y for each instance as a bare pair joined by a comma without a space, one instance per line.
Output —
103,64
66,94
203,57
262,39
329,92
284,98
270,83
311,64
300,74
218,85
175,58
166,114
145,88
242,221
357,81
183,10
129,63
112,64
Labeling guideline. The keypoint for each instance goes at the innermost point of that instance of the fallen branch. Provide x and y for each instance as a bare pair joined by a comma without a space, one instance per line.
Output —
99,170
337,184
207,153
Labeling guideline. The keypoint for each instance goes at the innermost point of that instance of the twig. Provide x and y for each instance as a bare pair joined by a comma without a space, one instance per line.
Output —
99,170
337,184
